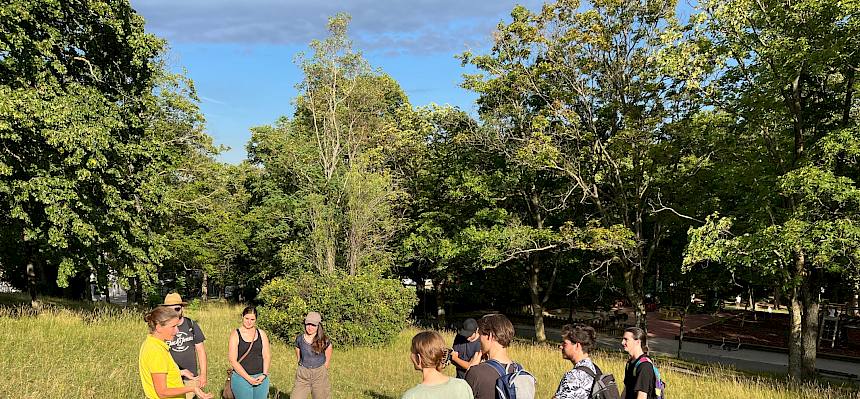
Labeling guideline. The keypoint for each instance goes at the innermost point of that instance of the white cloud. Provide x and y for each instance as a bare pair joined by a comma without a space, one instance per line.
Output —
417,27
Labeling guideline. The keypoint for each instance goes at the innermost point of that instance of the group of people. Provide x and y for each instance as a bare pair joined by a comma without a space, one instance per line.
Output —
173,363
480,354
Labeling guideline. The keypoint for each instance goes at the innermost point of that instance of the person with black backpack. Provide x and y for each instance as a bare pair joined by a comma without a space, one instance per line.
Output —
585,380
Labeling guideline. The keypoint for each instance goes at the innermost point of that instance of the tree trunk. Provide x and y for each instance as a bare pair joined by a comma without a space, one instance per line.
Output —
204,287
795,346
854,300
809,330
330,255
534,294
752,304
440,302
106,290
777,298
633,279
31,285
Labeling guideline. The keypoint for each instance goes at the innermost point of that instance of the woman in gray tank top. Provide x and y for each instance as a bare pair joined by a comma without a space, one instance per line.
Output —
313,350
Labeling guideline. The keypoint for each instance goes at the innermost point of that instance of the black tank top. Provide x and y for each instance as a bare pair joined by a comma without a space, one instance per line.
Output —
253,363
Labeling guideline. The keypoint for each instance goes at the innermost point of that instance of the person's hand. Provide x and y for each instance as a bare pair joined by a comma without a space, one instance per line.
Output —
187,374
326,365
201,381
202,395
455,354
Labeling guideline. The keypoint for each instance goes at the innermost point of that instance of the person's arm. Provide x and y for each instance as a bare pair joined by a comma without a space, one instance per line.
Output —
233,356
476,360
201,361
267,353
328,352
159,382
624,392
641,395
455,357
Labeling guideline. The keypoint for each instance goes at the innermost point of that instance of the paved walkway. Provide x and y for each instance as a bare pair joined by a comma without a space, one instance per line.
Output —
744,359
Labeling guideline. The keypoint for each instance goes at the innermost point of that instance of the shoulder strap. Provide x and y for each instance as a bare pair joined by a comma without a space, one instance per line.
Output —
497,366
249,346
640,360
587,371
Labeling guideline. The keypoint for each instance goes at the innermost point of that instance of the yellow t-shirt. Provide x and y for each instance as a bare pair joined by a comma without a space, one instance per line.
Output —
155,358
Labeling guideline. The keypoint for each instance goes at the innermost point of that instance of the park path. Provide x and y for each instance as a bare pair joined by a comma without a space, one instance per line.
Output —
661,340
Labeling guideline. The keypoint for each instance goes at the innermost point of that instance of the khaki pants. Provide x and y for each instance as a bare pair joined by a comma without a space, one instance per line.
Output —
189,383
311,381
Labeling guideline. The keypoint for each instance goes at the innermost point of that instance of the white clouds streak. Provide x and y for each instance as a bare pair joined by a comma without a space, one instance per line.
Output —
391,26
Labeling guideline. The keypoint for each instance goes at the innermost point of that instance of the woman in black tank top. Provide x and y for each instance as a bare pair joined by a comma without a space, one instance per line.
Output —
250,356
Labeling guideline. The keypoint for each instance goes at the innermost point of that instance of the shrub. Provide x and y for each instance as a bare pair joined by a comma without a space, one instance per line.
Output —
357,310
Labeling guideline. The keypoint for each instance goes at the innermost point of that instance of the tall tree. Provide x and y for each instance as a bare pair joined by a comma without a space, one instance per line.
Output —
330,162
82,96
787,82
581,105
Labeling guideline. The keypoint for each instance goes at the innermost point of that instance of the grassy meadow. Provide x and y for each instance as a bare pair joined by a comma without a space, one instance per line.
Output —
84,351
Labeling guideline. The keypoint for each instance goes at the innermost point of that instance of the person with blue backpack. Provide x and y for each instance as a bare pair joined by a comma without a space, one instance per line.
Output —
585,380
641,377
499,377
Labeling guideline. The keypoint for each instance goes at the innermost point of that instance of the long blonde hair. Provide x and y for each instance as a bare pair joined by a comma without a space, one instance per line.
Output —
431,350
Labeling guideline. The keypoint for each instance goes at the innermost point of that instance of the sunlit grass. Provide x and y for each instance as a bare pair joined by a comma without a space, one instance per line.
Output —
91,352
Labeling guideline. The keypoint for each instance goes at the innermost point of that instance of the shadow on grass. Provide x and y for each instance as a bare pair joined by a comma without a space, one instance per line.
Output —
276,393
377,395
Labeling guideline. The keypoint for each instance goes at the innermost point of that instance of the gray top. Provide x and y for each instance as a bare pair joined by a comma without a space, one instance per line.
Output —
182,347
307,358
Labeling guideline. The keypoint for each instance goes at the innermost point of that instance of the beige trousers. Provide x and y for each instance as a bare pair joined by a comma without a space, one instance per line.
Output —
311,381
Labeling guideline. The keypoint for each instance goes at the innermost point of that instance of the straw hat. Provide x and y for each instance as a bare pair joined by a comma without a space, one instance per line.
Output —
173,299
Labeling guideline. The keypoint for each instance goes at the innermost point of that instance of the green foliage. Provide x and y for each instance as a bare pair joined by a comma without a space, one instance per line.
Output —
357,309
91,124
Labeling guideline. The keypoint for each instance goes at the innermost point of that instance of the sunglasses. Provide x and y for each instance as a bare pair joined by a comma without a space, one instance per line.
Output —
177,308
310,324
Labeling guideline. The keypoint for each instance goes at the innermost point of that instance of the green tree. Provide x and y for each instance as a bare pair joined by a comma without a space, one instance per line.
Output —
583,107
207,230
83,97
786,81
327,170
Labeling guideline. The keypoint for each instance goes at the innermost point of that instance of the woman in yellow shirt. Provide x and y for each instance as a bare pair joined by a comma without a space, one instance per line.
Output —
159,374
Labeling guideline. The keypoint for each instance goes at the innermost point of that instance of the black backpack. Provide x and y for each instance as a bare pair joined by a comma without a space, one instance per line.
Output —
604,386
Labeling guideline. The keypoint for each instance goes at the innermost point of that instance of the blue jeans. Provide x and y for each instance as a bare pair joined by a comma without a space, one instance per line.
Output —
243,390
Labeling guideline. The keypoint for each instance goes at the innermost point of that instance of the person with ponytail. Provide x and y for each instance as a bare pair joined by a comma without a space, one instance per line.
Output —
576,342
159,374
313,350
430,356
639,377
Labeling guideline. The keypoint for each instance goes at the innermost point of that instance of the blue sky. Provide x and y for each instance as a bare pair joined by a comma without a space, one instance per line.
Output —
240,53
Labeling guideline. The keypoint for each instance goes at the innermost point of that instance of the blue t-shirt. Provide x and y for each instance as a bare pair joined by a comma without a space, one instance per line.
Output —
307,358
467,351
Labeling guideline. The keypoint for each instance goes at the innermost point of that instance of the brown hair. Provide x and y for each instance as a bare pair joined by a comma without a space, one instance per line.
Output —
320,342
160,315
498,326
581,334
432,350
639,334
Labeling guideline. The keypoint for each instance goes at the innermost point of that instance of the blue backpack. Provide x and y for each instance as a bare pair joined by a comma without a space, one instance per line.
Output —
514,382
659,385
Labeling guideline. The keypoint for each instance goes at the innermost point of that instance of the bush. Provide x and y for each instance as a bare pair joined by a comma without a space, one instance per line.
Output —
357,310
